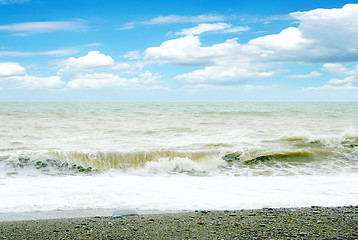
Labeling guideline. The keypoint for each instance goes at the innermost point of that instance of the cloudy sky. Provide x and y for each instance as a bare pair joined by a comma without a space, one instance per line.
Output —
188,50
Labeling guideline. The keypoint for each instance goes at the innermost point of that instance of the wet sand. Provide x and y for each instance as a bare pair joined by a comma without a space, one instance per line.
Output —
283,223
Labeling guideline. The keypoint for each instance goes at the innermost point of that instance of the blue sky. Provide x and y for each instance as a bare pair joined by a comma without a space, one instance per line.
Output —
92,50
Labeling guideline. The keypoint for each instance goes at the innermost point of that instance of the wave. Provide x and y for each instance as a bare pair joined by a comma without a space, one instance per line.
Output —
72,162
347,139
262,156
304,156
119,160
34,166
286,154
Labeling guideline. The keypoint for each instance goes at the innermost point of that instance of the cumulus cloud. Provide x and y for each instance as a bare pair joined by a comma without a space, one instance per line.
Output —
11,69
225,73
334,28
322,35
224,62
14,73
92,61
348,78
210,27
94,70
288,39
97,70
326,36
188,51
334,68
346,81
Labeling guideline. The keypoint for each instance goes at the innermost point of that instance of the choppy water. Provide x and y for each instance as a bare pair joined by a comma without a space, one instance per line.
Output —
177,156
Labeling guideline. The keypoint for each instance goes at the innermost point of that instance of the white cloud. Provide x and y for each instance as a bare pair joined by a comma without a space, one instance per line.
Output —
97,70
204,27
58,52
334,68
121,66
188,51
334,28
14,73
11,69
20,35
224,62
105,80
339,69
209,27
94,70
43,26
323,35
93,44
236,29
313,74
288,39
183,19
133,55
225,73
176,19
349,80
92,61
245,87
96,80
332,88
35,82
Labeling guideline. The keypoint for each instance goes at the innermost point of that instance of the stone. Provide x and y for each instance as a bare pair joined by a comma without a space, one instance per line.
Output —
125,212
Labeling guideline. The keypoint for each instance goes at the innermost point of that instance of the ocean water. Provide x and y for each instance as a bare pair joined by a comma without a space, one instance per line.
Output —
177,156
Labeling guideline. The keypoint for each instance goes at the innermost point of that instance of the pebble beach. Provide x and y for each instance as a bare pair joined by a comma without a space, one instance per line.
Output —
282,223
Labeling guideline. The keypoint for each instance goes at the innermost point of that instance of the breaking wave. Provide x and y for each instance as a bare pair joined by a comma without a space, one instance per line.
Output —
73,163
284,156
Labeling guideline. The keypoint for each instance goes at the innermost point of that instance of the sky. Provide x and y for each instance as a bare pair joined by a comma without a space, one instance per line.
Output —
178,51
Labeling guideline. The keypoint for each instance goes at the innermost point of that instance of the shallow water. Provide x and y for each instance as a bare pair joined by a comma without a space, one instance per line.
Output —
177,156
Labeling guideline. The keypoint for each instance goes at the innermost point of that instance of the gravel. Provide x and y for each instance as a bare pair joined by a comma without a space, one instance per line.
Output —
268,223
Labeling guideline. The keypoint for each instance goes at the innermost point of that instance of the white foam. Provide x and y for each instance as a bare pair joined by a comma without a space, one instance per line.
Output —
175,192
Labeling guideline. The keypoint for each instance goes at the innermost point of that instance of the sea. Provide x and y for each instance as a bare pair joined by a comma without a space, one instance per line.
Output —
164,157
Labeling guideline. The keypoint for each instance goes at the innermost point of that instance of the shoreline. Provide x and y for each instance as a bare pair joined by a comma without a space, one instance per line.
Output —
281,223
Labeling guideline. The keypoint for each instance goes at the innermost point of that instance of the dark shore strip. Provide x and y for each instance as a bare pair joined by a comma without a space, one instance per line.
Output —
267,223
